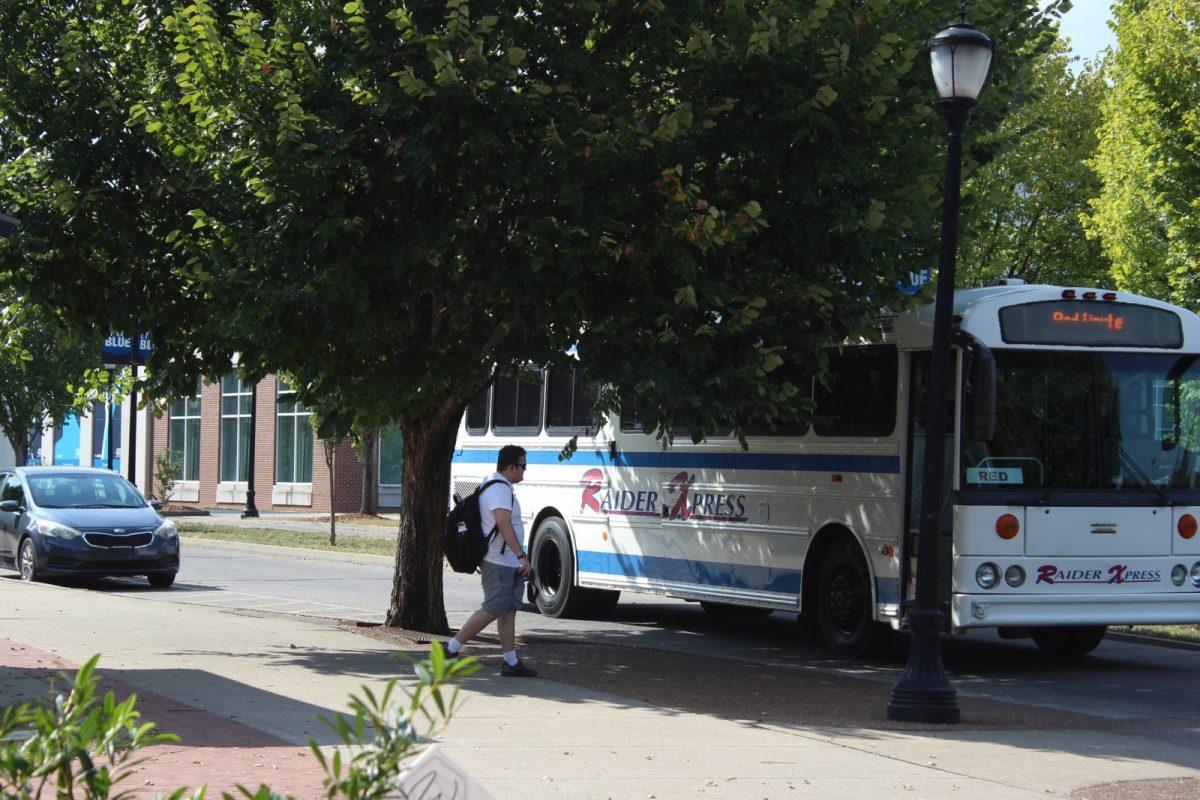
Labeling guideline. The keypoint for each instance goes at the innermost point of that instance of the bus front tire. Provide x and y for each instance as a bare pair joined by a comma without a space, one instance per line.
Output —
555,592
1068,640
844,603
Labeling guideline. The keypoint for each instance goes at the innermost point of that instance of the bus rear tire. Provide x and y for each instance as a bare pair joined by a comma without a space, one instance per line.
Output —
844,603
1068,640
555,592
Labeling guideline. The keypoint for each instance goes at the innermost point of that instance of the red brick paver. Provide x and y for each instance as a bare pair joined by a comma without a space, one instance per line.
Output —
213,749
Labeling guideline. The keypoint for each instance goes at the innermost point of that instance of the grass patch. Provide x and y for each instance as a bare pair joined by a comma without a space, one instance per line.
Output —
1182,633
312,540
359,519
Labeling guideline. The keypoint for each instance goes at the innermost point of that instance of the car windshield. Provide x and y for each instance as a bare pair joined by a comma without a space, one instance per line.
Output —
83,490
1091,421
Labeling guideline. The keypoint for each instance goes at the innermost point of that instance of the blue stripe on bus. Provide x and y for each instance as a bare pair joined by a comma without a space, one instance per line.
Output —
783,462
705,573
712,573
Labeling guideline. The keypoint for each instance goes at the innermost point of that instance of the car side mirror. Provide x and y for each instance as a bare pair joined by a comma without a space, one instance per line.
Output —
156,505
11,506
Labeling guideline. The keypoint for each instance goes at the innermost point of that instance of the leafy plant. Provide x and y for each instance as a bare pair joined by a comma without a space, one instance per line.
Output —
391,727
79,745
83,746
167,467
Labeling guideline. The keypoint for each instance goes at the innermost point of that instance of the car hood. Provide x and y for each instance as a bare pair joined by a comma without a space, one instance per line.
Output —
95,519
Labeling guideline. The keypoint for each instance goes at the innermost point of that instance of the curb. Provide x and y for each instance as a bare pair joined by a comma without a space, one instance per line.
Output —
1153,641
305,553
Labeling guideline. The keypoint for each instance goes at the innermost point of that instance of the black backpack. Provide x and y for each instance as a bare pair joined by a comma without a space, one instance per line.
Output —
463,541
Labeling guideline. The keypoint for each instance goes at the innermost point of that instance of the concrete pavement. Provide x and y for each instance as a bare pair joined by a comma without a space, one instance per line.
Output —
245,691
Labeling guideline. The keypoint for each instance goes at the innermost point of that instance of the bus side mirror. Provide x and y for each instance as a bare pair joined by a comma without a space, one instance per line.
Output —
980,422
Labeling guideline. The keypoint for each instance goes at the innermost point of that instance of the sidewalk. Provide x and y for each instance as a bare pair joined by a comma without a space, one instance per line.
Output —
244,691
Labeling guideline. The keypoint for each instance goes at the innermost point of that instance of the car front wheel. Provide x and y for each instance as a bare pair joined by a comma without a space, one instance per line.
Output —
27,560
161,580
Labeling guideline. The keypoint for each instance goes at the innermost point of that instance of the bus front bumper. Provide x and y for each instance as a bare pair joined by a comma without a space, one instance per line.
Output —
995,610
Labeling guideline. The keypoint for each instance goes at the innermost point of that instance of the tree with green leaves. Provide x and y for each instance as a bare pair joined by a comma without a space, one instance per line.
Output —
1147,216
394,202
1025,207
43,367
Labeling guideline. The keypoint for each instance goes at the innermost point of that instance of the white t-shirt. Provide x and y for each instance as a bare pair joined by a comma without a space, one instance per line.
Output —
500,495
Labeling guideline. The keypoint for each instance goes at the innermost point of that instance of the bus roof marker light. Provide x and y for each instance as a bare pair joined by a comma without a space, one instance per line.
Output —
1186,526
1068,294
1109,295
1008,526
1089,295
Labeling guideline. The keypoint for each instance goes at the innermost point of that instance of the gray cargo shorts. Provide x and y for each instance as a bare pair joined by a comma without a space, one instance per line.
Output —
502,588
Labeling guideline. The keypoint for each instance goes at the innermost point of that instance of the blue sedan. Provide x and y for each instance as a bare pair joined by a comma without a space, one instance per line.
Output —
83,522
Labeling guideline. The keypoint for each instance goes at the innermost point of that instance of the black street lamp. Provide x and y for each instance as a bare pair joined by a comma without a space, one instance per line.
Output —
961,57
251,510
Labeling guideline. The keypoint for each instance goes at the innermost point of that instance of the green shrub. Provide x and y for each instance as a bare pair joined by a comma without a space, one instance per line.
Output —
81,746
168,466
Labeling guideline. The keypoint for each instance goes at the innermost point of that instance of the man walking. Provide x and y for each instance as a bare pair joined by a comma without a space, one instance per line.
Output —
504,565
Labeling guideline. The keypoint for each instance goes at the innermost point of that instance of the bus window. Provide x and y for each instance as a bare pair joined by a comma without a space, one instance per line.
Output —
792,428
859,398
517,405
569,401
477,413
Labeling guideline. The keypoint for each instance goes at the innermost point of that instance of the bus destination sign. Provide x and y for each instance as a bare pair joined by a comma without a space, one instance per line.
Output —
1088,323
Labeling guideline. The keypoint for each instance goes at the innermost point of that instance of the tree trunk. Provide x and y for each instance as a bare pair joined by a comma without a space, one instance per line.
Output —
370,489
331,463
417,602
22,447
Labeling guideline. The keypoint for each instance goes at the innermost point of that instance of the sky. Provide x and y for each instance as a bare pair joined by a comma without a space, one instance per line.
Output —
1085,25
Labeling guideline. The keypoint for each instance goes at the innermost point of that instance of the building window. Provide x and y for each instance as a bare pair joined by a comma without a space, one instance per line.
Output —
100,435
183,434
235,428
293,437
391,456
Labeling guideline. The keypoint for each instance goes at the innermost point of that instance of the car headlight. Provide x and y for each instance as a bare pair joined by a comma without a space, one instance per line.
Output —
48,528
166,530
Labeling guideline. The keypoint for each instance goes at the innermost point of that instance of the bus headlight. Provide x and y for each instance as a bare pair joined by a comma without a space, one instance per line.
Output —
988,575
1196,574
1179,574
1014,576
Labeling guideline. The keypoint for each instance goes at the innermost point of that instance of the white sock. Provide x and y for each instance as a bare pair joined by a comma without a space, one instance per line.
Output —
453,646
510,657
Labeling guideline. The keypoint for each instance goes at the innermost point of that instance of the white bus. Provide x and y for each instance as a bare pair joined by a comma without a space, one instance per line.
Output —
1073,481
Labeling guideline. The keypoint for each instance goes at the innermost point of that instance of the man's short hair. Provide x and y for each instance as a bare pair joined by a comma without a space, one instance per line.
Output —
509,454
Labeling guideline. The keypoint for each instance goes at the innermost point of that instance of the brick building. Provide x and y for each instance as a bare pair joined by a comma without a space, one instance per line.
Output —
210,432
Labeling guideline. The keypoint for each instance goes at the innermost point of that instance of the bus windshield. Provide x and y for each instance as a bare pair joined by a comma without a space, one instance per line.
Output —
1090,421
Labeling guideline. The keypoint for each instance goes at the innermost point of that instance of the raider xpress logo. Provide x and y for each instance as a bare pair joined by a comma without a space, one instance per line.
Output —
1117,573
681,502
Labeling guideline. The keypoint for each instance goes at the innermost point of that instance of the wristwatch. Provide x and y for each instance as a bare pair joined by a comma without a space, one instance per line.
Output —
522,556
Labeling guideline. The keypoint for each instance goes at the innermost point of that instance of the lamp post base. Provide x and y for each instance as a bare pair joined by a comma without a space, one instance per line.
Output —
924,694
250,510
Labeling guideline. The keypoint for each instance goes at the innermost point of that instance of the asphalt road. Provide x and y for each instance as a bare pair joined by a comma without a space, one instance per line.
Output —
1120,680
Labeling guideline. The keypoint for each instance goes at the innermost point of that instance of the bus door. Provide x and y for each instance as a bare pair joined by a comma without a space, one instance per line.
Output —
625,495
918,409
